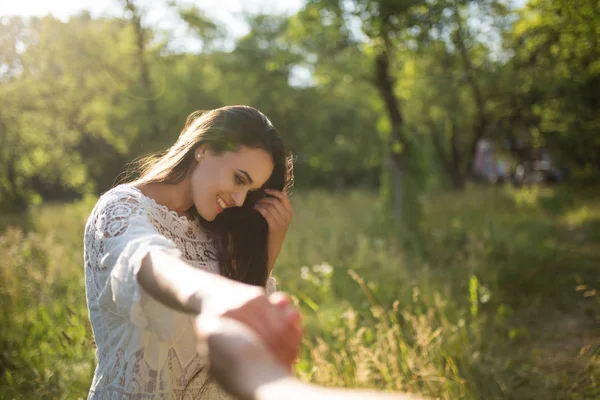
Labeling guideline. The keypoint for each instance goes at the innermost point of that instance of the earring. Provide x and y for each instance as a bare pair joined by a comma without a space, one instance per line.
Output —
198,156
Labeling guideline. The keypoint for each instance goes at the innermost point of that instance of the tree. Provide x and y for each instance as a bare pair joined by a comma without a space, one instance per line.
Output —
557,55
381,24
66,114
141,40
471,102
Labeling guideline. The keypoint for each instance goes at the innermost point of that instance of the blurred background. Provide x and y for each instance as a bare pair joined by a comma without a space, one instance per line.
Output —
446,238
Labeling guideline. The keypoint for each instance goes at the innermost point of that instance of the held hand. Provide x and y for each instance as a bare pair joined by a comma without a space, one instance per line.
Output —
274,321
294,331
277,211
239,359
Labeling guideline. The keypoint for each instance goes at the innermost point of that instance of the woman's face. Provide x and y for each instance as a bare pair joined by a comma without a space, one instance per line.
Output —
220,181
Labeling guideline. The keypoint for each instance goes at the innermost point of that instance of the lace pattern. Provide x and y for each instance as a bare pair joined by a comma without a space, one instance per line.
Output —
144,349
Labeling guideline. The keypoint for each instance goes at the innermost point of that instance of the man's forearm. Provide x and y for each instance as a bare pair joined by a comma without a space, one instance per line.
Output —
292,389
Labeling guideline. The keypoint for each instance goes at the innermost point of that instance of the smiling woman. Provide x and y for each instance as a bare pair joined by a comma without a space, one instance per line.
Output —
212,207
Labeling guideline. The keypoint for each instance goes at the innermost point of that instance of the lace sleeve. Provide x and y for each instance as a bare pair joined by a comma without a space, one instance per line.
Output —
270,287
126,236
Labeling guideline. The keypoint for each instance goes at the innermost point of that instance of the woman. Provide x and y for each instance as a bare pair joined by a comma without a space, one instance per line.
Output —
198,232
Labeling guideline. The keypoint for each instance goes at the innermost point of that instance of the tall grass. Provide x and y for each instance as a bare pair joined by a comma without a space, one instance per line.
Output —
494,298
46,345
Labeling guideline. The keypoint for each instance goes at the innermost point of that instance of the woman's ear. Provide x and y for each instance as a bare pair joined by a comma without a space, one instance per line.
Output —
200,152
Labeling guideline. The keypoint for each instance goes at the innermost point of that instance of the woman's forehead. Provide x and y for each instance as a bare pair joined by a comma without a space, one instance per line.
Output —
256,162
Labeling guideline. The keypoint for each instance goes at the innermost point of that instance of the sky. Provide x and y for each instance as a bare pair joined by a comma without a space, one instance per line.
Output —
160,16
230,12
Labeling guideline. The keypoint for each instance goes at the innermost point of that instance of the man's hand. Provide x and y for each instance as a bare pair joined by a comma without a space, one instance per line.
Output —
239,358
276,322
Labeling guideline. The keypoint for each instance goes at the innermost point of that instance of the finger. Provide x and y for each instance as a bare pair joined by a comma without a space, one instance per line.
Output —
293,340
287,340
294,319
282,215
280,299
271,200
269,325
293,333
277,204
279,341
281,196
284,303
277,217
265,213
274,327
292,315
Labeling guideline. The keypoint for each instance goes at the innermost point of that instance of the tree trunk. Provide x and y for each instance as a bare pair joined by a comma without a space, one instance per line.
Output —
458,175
480,124
399,146
396,176
146,81
451,163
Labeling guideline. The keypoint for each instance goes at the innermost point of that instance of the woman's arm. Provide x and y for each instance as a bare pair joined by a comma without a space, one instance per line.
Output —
178,285
182,287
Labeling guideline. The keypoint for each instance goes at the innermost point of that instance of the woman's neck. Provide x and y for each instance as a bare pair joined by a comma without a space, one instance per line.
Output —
176,197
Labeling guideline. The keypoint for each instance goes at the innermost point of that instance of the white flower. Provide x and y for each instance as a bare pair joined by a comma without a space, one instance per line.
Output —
323,269
304,272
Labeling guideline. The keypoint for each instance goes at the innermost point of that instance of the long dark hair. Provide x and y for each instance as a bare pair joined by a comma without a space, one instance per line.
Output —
240,232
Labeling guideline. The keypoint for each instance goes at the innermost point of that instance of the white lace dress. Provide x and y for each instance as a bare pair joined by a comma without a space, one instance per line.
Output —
145,350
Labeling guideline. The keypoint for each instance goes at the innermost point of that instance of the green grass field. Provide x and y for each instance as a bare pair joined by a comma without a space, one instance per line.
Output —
495,298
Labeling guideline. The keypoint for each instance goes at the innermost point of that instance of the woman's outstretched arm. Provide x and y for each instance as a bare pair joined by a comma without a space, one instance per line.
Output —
185,288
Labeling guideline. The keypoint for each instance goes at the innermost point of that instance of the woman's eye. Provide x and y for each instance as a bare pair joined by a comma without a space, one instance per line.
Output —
239,180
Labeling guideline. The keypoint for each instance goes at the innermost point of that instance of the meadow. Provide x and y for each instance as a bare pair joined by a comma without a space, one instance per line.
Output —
494,298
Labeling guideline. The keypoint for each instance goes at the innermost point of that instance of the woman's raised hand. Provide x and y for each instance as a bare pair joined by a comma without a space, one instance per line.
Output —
277,211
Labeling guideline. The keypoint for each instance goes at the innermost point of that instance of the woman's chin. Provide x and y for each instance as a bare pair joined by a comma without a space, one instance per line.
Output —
209,217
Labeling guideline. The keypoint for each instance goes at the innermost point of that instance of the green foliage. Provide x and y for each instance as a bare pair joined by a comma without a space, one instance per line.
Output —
74,110
471,315
556,60
453,304
45,338
63,122
499,302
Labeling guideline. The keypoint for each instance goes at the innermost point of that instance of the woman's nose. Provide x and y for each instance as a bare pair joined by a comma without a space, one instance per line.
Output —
239,198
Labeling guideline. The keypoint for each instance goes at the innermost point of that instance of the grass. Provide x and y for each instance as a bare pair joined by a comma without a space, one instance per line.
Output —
495,298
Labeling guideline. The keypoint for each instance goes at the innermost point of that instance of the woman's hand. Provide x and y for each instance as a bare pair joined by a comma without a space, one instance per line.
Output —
277,211
273,319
